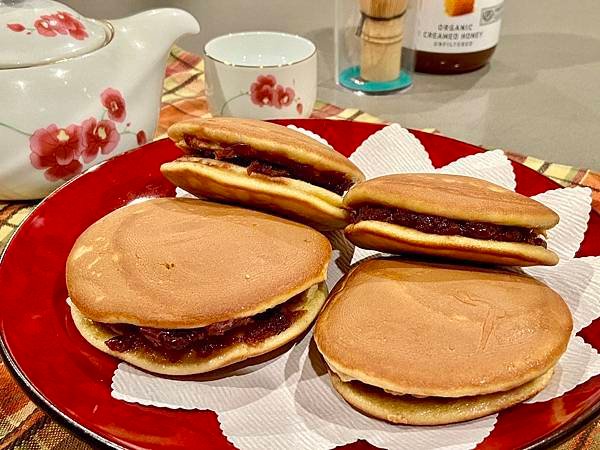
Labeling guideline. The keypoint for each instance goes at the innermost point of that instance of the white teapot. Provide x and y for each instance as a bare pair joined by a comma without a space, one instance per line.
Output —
75,91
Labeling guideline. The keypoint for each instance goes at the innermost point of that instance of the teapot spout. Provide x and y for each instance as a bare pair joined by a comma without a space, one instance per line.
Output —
155,29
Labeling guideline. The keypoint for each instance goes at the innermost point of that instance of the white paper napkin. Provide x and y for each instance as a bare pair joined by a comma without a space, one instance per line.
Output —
287,402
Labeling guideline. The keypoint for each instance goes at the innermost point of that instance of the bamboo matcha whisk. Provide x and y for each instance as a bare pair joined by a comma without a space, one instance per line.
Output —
381,31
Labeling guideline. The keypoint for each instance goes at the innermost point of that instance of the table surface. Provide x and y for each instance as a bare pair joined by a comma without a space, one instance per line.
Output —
541,91
540,94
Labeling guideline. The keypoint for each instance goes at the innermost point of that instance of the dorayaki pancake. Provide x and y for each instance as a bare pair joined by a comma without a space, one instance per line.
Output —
185,263
266,137
455,197
225,182
438,330
262,165
451,216
191,363
409,410
184,274
391,238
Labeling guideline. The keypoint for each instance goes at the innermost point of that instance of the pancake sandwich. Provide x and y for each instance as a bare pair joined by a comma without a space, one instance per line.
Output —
265,166
184,286
451,216
422,343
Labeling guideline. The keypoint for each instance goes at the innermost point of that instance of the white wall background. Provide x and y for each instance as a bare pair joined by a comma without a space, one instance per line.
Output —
217,17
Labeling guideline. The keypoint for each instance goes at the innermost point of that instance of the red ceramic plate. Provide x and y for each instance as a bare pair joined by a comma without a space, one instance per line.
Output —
71,380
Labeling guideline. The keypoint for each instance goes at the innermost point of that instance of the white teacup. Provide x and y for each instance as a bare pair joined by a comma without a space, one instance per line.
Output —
261,75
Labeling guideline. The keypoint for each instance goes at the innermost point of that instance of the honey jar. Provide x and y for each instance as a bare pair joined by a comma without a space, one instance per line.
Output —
453,36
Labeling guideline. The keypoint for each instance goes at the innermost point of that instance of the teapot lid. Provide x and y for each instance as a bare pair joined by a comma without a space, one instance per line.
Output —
37,32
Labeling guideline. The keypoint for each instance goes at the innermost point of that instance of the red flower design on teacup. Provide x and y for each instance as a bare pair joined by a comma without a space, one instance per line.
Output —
114,102
261,91
56,151
282,96
98,137
265,91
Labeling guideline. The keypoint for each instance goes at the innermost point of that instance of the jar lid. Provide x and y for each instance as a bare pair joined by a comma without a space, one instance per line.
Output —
37,32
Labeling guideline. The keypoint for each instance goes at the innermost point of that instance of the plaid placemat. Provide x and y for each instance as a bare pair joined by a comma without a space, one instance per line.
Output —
23,426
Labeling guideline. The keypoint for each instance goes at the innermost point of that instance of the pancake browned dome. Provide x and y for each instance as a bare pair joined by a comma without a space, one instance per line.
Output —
452,216
262,165
183,286
426,343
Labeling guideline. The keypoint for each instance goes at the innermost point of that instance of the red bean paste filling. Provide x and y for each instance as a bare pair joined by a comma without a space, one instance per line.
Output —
442,225
271,165
175,344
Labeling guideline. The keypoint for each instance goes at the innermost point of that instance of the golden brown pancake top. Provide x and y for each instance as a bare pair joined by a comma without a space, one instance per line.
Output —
268,137
185,263
434,329
455,197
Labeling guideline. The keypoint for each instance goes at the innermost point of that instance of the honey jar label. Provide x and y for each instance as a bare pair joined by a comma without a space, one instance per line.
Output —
453,26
